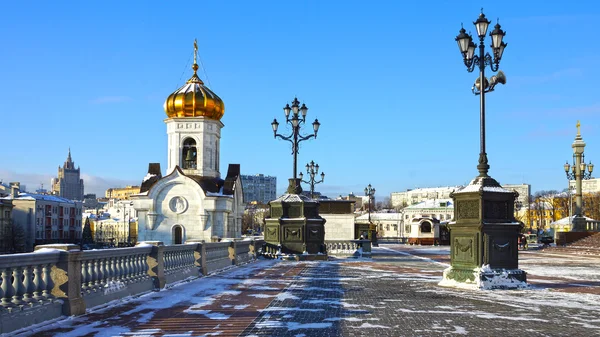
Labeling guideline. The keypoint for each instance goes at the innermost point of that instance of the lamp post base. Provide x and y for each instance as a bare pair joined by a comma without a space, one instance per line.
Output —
483,238
579,224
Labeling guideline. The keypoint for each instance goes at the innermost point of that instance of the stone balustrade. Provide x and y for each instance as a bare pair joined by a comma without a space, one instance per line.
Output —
348,248
60,279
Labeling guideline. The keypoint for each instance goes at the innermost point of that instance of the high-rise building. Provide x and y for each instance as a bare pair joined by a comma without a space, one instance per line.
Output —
68,184
259,188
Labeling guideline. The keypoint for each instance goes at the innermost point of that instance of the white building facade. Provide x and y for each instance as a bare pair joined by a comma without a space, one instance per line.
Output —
415,196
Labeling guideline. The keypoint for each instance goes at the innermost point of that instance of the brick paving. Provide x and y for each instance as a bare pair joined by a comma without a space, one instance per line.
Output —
394,294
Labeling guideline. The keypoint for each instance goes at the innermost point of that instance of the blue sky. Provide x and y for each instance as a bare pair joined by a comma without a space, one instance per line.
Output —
384,78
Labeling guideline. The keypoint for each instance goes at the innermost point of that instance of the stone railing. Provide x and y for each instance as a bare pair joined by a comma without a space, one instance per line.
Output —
60,279
348,248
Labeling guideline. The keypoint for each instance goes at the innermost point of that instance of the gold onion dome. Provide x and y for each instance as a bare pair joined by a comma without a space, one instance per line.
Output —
194,99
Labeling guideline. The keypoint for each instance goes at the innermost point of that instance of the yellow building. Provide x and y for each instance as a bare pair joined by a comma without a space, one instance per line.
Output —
114,231
122,193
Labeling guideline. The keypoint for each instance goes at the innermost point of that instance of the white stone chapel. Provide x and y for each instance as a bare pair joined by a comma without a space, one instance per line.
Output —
191,201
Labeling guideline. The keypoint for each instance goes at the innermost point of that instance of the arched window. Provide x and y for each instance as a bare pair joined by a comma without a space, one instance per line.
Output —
177,235
426,227
189,154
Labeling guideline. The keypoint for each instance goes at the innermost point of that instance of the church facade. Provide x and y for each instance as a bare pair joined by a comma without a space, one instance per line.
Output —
68,184
192,201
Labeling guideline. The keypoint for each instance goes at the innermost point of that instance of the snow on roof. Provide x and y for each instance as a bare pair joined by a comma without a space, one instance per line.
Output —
569,220
479,184
148,176
292,198
431,189
218,194
381,216
44,197
433,203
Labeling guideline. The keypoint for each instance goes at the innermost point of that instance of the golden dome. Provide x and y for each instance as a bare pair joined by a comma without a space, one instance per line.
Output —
194,99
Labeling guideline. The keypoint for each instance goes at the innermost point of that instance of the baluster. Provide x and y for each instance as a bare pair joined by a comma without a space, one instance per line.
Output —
105,272
84,276
123,268
38,283
135,274
18,286
48,282
93,274
118,270
110,264
28,284
144,265
179,259
98,271
128,269
167,262
7,288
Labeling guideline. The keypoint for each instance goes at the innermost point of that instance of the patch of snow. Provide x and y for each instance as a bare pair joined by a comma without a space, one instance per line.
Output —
368,325
148,177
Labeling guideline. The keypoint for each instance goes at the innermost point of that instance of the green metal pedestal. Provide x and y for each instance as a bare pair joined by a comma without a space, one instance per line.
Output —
294,224
483,238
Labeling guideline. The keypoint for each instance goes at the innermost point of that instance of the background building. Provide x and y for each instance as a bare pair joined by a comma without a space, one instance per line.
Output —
6,226
45,219
587,185
259,188
415,196
122,193
68,184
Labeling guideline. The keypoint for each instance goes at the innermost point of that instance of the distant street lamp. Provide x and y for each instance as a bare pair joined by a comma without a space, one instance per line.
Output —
578,173
312,169
295,137
482,85
369,192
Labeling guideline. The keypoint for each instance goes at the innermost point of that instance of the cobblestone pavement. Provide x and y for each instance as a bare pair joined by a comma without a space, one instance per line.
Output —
397,295
393,294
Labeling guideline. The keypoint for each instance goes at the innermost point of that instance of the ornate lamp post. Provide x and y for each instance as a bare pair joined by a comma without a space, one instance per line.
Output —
467,49
312,170
298,118
578,173
484,232
294,225
369,192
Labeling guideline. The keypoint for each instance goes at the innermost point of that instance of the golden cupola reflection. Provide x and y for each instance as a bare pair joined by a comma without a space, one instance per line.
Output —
194,99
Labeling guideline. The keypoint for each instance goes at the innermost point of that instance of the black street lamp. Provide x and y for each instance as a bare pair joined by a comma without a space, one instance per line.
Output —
369,192
578,173
295,137
312,169
482,85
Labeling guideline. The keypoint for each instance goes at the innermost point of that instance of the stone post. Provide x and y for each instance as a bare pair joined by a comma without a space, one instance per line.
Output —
66,276
199,253
156,263
203,265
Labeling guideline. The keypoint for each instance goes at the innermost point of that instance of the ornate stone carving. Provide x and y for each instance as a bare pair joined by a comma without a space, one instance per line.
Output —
293,234
467,209
178,205
496,210
276,212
